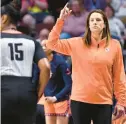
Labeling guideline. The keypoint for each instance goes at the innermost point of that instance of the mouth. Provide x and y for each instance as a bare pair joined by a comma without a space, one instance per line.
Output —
95,27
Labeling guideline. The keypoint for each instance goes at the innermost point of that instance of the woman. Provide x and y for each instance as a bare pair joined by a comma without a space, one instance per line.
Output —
19,51
58,89
97,69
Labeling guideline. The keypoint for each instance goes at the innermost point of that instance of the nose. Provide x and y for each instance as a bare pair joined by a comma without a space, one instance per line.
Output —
94,21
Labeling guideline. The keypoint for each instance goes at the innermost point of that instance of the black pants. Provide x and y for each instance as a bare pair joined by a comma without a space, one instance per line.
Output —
40,115
83,113
18,100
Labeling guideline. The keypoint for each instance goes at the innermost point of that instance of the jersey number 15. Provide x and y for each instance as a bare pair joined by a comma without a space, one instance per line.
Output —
15,53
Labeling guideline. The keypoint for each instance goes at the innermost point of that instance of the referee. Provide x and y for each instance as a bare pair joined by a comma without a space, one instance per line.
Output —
19,95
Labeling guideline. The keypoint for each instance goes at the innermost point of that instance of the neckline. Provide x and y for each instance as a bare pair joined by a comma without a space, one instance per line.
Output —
11,31
102,42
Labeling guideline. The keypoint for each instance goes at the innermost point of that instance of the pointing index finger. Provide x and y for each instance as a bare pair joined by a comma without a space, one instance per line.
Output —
66,5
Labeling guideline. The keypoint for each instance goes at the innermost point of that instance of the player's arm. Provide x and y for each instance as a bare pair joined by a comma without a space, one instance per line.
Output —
67,81
44,75
44,68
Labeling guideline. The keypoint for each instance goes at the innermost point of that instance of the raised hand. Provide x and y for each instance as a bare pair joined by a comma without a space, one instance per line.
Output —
65,12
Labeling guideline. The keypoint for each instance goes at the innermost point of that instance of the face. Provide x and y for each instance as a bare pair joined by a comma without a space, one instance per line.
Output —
47,51
108,12
43,34
96,23
75,6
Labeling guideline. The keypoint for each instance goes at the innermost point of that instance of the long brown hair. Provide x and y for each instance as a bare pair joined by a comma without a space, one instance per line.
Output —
106,30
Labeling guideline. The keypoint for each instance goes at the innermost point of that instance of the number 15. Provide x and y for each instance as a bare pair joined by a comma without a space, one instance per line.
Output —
15,52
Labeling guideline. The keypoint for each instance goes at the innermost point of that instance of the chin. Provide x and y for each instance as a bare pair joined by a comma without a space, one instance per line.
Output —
95,31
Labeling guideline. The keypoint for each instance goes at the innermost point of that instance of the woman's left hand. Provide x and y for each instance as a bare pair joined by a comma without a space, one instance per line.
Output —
51,99
118,112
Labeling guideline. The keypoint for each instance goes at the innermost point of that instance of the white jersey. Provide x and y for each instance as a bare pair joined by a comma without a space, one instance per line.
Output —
18,52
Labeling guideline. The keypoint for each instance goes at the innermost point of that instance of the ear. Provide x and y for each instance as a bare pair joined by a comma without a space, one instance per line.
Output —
4,19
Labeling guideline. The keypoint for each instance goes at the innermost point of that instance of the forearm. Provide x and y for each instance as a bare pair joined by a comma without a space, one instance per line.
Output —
120,93
119,77
43,80
63,93
67,88
59,45
55,33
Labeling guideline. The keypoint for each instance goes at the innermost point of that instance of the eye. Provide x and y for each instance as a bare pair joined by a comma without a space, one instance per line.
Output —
92,20
98,19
